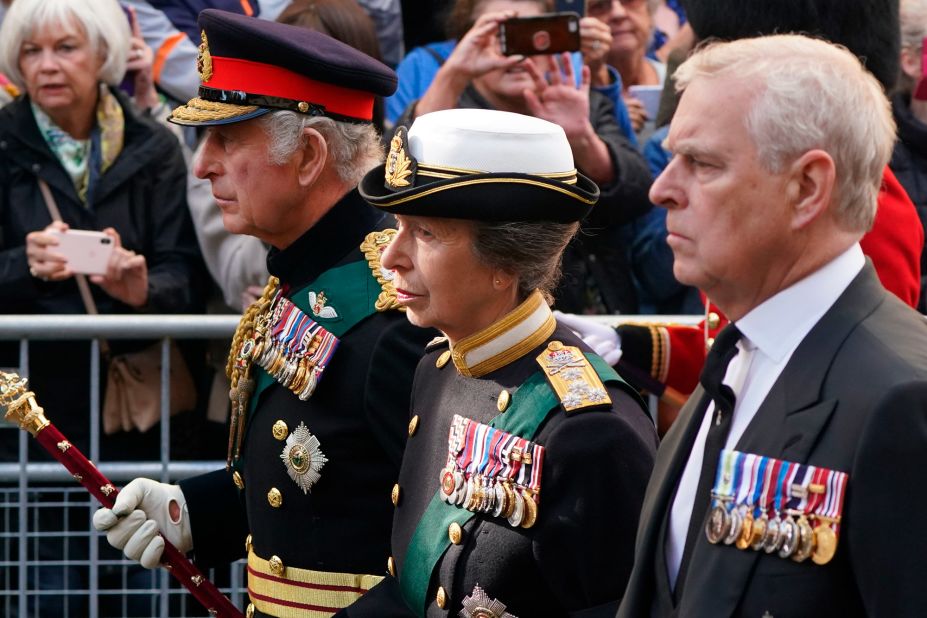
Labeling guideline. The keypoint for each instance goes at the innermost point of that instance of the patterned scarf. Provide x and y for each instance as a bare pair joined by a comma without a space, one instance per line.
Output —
85,160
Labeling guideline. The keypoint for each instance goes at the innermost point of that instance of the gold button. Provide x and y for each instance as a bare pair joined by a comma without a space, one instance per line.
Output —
455,533
249,613
274,497
710,342
441,598
714,320
281,431
442,360
554,345
236,478
303,106
391,566
276,565
413,425
248,543
503,402
395,494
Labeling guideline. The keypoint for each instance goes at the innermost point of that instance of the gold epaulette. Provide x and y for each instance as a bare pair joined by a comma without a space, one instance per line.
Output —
572,377
375,243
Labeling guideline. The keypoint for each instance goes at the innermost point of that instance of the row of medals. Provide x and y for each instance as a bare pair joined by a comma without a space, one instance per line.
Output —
490,496
792,536
289,369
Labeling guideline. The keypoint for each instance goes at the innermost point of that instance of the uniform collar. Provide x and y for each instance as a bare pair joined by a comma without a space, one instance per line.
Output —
326,244
520,331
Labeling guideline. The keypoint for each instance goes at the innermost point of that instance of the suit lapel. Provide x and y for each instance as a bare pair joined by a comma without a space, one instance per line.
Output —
786,426
671,459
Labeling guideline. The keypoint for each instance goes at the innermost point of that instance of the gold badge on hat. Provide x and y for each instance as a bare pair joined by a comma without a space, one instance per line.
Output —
204,59
400,167
303,458
479,605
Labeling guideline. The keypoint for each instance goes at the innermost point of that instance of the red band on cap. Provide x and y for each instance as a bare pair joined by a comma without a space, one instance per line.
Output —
274,81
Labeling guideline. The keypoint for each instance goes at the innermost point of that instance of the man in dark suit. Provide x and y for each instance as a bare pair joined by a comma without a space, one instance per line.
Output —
815,399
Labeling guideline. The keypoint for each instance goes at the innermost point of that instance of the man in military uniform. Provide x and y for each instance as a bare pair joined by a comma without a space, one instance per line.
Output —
521,482
321,364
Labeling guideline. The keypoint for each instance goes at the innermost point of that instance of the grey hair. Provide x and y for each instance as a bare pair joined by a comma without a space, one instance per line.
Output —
103,21
531,251
913,20
354,149
809,94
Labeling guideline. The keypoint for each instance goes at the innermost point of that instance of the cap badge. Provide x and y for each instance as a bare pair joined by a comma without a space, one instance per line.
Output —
319,307
400,167
204,59
303,458
479,605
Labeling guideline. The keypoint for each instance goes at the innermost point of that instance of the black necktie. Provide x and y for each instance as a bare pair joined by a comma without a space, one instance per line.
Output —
719,357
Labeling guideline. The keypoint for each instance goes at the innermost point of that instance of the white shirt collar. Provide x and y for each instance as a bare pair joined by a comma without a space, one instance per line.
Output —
777,325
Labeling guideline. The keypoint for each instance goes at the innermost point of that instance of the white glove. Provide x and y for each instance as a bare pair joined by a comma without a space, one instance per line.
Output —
604,340
141,512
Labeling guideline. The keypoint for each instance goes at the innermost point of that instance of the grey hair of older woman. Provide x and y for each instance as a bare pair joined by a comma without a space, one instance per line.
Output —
532,252
353,148
103,21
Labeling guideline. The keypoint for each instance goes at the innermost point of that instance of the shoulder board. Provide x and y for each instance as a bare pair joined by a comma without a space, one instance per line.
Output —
573,378
436,343
375,243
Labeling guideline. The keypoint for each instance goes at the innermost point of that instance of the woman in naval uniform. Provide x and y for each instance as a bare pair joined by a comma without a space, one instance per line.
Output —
527,458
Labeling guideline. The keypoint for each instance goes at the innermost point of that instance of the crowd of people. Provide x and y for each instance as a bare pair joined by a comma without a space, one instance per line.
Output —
416,227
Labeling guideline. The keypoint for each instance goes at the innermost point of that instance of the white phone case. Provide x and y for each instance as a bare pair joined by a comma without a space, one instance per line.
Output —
87,251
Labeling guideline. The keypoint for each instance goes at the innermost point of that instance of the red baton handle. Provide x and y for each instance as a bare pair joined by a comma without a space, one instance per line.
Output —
27,413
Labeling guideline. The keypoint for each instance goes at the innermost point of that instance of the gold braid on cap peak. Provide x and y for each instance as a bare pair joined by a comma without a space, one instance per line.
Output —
199,110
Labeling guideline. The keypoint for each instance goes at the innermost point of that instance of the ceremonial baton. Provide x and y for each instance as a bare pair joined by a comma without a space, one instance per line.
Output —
20,407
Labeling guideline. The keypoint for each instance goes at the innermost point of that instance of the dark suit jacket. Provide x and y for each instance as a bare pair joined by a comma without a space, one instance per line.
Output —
853,397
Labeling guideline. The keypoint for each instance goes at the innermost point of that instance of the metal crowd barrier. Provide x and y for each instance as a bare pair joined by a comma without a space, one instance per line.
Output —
25,485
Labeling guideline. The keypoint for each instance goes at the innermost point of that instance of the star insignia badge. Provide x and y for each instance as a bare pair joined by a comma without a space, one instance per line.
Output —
303,458
479,605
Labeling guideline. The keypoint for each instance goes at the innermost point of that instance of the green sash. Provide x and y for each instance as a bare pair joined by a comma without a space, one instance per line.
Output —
531,404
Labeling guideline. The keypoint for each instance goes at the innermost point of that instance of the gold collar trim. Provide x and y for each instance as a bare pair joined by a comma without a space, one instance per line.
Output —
520,331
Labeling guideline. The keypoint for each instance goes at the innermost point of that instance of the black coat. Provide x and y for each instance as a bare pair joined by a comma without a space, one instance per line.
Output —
909,163
853,397
578,554
358,413
143,196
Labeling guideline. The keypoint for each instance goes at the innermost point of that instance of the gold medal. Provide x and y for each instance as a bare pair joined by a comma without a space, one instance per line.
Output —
805,545
531,510
825,545
509,507
746,532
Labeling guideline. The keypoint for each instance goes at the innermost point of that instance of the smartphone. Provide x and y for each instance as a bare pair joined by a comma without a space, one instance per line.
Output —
649,96
551,33
87,251
570,6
